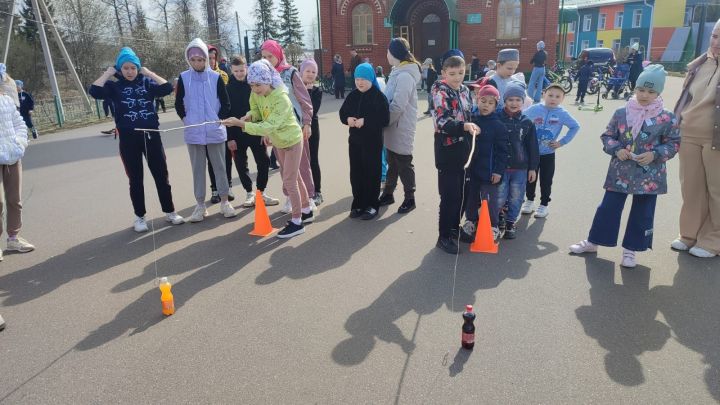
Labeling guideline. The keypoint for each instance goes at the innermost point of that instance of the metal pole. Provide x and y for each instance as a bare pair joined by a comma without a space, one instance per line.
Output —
9,34
66,56
247,50
48,62
237,22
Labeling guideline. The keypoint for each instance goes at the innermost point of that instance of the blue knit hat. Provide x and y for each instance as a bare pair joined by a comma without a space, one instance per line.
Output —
652,78
19,83
398,49
451,53
127,55
514,88
366,71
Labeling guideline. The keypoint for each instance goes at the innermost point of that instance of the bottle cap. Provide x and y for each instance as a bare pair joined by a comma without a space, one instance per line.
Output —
163,280
468,308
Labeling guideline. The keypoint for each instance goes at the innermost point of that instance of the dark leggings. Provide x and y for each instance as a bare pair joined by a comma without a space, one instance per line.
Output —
546,172
314,142
261,160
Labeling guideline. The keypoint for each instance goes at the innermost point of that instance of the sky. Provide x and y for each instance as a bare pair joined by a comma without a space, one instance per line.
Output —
307,9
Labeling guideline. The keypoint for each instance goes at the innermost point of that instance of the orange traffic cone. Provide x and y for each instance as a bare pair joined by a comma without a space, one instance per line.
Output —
484,242
263,227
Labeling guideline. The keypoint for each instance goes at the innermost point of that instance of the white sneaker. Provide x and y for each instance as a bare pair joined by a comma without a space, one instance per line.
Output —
677,244
318,198
249,200
313,206
140,225
700,252
2,323
227,209
174,218
469,228
527,207
288,206
542,211
496,233
628,259
19,244
583,247
270,200
199,213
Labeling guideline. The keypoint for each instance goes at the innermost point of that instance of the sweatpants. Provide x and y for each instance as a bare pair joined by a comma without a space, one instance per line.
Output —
478,191
262,161
450,187
11,179
228,169
132,149
199,154
305,172
546,172
582,90
639,230
700,186
400,166
314,150
289,159
365,171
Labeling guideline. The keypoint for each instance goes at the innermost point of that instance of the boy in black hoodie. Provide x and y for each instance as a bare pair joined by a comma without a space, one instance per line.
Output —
366,111
238,143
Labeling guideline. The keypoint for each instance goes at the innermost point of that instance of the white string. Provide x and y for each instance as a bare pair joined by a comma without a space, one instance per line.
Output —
176,128
146,135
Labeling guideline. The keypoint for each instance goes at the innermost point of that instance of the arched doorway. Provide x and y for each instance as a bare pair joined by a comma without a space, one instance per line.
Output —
425,24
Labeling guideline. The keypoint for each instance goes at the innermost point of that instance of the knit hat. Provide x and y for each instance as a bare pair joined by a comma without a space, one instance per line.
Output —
307,63
398,49
262,72
514,88
635,46
127,55
491,64
366,71
541,45
488,90
451,53
192,52
652,78
19,83
507,55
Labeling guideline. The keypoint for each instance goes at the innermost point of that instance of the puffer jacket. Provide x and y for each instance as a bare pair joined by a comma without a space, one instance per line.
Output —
13,132
452,109
401,93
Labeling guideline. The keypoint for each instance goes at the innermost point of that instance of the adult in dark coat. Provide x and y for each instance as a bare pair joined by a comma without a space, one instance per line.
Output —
635,61
338,74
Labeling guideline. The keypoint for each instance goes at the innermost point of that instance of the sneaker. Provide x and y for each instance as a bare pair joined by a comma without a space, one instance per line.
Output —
700,252
199,213
318,198
501,221
407,206
496,232
356,213
677,244
215,197
313,206
577,102
1,255
227,210
140,226
386,199
174,218
34,134
528,207
467,232
308,218
249,200
583,246
2,323
369,214
288,207
447,245
542,211
231,196
628,259
290,230
270,200
510,231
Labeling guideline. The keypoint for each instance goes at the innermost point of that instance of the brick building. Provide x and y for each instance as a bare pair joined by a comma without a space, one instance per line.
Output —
482,27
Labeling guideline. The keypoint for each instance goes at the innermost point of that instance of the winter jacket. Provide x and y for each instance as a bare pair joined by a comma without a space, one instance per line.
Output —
659,134
239,96
201,97
13,132
299,96
27,103
432,76
133,100
491,147
273,116
401,93
585,72
338,74
522,141
373,107
549,123
452,109
635,61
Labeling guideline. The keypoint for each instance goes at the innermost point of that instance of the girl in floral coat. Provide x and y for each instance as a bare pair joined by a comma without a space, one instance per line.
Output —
641,137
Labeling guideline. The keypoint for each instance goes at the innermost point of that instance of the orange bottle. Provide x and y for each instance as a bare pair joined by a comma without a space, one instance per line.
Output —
168,303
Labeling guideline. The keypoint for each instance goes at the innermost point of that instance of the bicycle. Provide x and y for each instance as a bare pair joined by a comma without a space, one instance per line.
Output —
557,75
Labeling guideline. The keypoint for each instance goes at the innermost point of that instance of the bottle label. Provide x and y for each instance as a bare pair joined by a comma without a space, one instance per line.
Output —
168,306
468,337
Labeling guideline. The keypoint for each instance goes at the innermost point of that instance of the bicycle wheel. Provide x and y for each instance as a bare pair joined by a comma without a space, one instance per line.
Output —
566,84
593,86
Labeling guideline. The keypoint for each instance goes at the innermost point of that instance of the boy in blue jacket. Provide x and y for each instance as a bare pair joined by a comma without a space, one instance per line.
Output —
27,105
549,119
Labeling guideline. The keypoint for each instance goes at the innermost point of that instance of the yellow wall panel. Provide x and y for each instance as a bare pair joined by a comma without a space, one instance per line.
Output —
669,13
607,36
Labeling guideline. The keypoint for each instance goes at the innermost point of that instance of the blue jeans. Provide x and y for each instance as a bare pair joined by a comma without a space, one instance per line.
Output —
384,165
512,191
639,229
536,84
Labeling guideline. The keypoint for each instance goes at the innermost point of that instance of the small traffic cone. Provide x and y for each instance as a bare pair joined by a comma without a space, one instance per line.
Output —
484,242
263,227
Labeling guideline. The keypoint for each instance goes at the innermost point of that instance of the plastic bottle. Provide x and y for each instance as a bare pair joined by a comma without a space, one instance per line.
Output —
166,298
468,328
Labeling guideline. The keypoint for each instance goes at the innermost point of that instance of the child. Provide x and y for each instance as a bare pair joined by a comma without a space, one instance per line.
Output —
132,96
453,127
549,119
13,141
215,197
271,116
27,104
489,161
523,156
584,76
366,112
309,72
238,141
201,97
431,79
507,64
640,137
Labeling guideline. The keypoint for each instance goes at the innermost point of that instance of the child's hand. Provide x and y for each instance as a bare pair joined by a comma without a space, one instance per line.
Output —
233,122
532,176
110,71
471,128
266,141
145,71
623,154
645,159
495,178
232,145
307,131
360,122
555,144
351,121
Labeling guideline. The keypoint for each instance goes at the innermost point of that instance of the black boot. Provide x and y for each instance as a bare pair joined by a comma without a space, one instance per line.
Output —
387,199
407,206
448,245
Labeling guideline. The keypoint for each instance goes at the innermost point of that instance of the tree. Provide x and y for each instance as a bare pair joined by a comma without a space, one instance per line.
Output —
290,32
28,28
164,7
265,24
185,19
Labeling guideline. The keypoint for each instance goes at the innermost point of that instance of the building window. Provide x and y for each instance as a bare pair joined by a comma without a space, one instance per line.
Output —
637,18
600,43
587,22
509,19
616,45
584,44
571,49
619,19
431,18
362,24
601,21
688,16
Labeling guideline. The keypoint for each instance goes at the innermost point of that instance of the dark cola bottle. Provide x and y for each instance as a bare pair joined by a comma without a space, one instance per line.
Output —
468,328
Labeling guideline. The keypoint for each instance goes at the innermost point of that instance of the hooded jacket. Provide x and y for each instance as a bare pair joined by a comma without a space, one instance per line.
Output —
401,93
372,106
223,74
273,116
13,133
201,97
491,147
